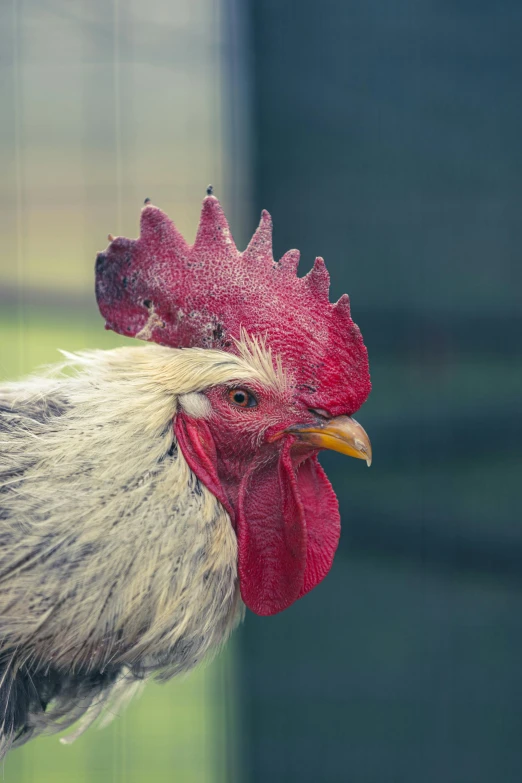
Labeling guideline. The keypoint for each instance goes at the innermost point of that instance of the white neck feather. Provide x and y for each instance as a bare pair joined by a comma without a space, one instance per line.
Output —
111,551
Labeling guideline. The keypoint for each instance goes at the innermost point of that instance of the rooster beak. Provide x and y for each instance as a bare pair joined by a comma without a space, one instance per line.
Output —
342,434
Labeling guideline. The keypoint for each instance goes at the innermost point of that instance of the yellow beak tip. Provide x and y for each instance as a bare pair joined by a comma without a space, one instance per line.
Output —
341,434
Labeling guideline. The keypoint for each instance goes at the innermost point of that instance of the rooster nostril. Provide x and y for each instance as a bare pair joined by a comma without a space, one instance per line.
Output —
321,413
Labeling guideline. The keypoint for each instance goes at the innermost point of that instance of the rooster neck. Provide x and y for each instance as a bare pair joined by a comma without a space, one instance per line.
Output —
112,552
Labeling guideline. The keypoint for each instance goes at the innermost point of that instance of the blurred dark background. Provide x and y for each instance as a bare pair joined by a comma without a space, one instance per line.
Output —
386,137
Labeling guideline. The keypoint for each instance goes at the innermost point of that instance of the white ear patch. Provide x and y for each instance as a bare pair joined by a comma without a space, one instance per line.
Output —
195,405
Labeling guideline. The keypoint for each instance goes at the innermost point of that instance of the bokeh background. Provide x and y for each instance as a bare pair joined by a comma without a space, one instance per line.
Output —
385,136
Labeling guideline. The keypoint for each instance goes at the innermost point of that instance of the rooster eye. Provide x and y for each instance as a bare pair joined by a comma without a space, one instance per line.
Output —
242,398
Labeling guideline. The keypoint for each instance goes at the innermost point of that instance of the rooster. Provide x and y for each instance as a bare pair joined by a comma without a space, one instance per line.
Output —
148,494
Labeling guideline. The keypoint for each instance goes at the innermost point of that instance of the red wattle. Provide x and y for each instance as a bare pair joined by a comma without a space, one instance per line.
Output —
286,518
323,521
272,537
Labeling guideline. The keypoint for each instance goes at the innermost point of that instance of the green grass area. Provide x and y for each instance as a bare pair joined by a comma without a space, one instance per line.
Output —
173,732
30,340
166,734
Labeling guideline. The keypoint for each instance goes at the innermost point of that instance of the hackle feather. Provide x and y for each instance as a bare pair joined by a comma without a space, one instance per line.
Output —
105,533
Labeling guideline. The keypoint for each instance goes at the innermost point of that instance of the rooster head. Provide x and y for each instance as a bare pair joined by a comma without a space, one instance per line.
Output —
253,442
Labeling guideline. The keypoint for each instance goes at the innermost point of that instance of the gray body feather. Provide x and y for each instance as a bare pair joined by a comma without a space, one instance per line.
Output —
115,562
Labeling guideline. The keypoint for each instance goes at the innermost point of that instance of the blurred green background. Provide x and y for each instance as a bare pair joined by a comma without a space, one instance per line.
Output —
384,136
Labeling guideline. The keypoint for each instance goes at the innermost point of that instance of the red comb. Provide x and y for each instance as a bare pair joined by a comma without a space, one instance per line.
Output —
159,288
